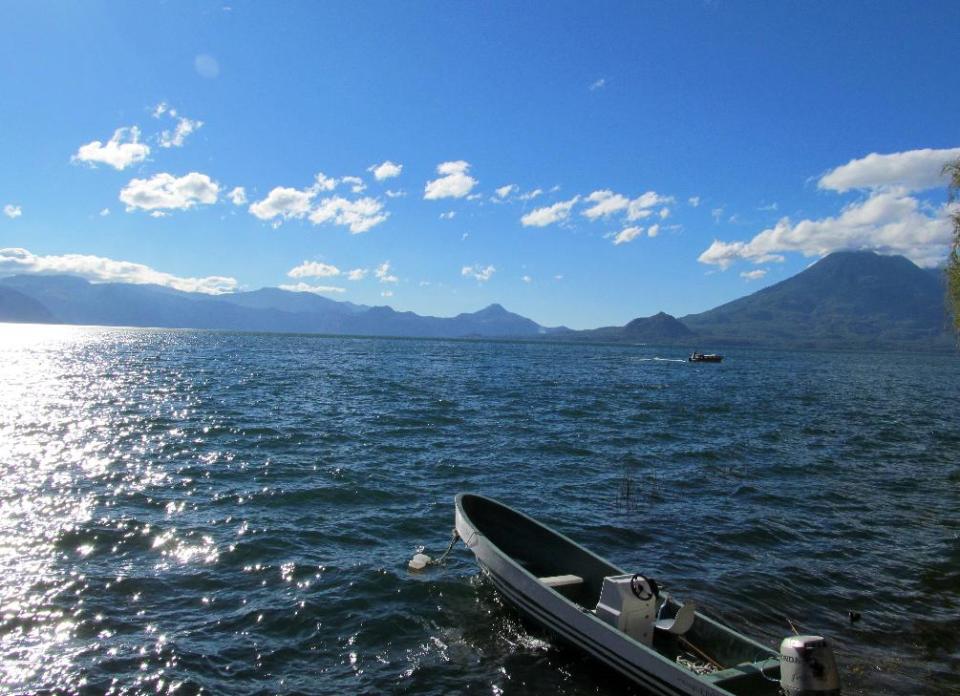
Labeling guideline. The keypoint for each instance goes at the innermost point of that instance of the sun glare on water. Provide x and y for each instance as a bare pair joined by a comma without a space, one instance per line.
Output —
70,450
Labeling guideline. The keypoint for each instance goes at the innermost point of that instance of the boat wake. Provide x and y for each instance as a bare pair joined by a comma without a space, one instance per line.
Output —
659,359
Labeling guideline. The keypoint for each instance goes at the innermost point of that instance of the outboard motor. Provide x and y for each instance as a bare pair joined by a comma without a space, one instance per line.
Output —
807,667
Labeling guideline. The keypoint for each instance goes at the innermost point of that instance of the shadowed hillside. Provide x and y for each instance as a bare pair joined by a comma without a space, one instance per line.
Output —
660,328
846,299
17,307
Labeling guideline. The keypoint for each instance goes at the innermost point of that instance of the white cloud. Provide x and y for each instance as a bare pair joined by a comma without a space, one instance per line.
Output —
599,84
888,222
541,217
316,289
323,183
313,269
386,170
122,150
449,215
238,196
283,202
717,213
454,167
639,207
914,170
628,235
527,279
396,194
359,215
383,273
664,213
105,212
165,191
753,275
102,270
505,191
178,135
355,183
530,195
386,293
653,230
605,203
694,201
483,274
357,274
454,181
12,211
768,208
159,214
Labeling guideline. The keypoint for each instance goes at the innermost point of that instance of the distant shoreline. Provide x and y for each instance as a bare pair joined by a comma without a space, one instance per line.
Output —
683,348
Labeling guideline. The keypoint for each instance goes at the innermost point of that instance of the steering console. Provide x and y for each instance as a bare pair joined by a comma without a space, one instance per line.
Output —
644,588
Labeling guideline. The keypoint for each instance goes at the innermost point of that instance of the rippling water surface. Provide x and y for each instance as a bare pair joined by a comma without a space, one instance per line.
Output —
233,513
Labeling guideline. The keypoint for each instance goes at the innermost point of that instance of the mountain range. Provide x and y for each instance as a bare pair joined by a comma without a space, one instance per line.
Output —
846,300
72,300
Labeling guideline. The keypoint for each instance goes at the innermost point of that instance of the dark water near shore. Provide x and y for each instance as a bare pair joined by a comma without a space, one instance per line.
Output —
187,510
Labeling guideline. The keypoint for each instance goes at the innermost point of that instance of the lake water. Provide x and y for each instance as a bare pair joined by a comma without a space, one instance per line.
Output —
233,512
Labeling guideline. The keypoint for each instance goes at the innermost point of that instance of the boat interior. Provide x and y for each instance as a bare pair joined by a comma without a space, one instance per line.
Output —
676,631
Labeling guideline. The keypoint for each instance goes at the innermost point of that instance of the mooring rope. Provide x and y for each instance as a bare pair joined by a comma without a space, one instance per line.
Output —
422,560
443,556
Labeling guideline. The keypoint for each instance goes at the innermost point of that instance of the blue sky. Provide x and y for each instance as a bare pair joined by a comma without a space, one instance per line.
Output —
648,156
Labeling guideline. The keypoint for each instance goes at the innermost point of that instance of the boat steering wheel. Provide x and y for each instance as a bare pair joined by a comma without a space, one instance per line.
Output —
637,583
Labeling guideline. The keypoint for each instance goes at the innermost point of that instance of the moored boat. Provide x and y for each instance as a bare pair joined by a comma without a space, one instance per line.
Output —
704,357
625,621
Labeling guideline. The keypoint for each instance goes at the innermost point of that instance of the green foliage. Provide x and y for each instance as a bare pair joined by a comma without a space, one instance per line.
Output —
953,260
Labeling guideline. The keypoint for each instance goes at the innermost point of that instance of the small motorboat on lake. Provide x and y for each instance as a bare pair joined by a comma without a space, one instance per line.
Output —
704,357
625,621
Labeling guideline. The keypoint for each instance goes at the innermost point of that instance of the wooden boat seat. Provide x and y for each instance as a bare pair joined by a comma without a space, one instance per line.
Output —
561,580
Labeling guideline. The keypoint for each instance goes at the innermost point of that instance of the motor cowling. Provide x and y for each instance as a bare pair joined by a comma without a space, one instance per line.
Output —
807,667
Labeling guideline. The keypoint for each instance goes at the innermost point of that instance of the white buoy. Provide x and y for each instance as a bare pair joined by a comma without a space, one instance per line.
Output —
419,562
